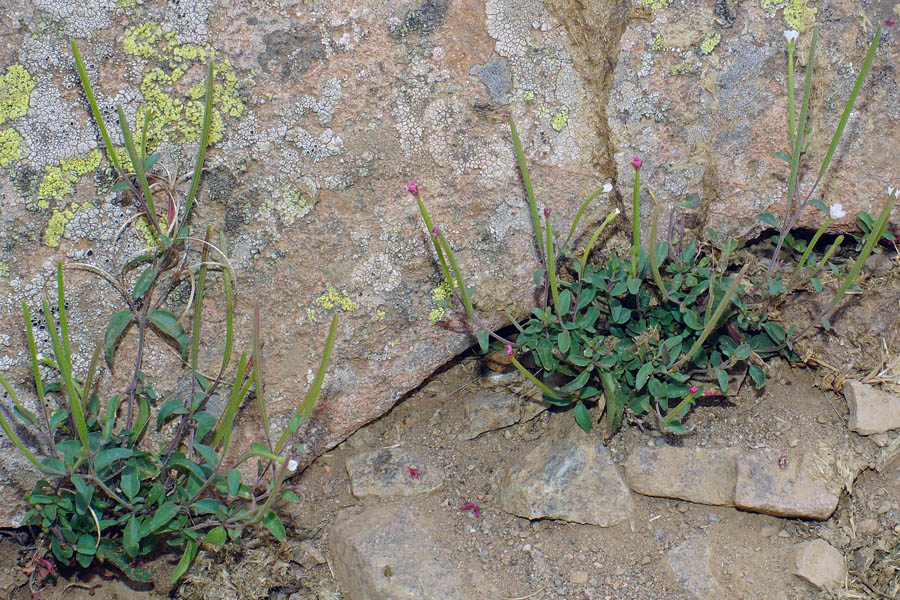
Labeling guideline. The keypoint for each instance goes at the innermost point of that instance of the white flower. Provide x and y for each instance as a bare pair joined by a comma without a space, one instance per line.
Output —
617,211
607,188
837,211
292,465
791,36
893,192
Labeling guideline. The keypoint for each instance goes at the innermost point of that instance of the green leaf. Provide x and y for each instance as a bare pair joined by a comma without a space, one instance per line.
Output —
577,383
131,537
84,560
692,320
758,376
216,537
768,219
190,552
783,156
538,277
130,482
172,407
657,388
118,323
86,545
633,286
722,378
642,375
207,506
826,324
583,417
274,525
483,340
564,341
290,496
151,160
164,514
188,465
143,283
619,315
742,352
168,325
141,421
58,418
817,285
209,455
111,455
775,331
120,187
565,300
234,481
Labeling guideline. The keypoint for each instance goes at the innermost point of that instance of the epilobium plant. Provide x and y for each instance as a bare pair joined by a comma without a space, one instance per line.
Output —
643,336
109,495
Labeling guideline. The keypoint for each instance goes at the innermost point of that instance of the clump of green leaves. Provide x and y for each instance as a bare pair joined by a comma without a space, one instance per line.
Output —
108,494
643,336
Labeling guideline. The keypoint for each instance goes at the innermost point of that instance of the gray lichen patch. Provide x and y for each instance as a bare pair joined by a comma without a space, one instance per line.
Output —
496,78
292,51
422,19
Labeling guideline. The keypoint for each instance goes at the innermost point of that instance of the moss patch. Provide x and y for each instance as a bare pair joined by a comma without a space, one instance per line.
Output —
709,43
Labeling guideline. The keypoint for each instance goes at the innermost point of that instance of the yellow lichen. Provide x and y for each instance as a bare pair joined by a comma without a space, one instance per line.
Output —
657,43
151,237
4,269
709,43
15,92
442,292
10,150
58,182
378,316
655,4
799,16
560,119
56,227
332,299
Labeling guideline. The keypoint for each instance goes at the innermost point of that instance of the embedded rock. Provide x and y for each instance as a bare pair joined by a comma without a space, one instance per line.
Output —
702,475
690,563
387,551
573,479
871,410
820,563
485,412
785,484
391,472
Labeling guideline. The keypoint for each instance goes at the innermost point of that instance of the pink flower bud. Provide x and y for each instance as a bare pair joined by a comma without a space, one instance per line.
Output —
413,188
509,350
708,392
413,472
546,211
636,162
694,389
435,232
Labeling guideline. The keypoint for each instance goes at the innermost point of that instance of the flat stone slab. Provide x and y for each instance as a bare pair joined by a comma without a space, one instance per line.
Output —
489,411
871,410
784,485
819,563
387,553
391,472
573,479
701,475
689,562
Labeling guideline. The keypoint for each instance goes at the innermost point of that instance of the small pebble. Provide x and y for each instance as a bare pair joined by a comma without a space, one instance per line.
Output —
784,533
794,442
683,507
526,548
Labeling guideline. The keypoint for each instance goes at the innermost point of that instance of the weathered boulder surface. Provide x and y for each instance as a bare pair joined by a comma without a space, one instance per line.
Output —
325,110
702,475
700,92
871,410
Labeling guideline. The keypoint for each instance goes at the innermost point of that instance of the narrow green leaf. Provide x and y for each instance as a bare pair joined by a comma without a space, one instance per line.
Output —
190,552
189,465
783,156
131,537
143,283
95,109
642,375
118,323
234,481
130,482
168,325
768,219
721,378
483,340
564,341
204,140
138,166
526,179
